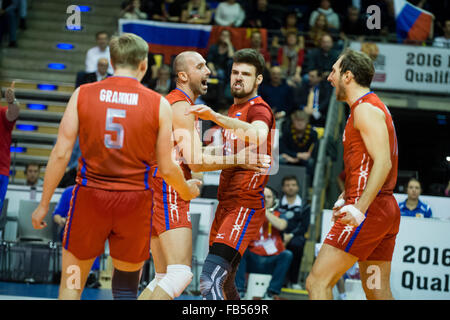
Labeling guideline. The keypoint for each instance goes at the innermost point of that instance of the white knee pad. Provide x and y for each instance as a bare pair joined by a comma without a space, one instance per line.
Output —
177,278
152,285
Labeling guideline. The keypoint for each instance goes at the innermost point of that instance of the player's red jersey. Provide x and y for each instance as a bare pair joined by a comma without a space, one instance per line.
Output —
357,161
240,187
172,97
119,121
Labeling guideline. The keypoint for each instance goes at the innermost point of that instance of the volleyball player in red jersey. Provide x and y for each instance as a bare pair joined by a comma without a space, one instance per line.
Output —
171,242
240,212
123,127
366,216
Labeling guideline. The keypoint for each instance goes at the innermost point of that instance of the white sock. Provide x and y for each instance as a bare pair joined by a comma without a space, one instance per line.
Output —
152,285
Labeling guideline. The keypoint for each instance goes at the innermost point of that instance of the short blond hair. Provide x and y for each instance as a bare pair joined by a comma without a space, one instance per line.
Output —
128,51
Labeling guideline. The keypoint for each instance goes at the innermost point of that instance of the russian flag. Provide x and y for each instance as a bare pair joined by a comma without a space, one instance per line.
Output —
168,38
413,23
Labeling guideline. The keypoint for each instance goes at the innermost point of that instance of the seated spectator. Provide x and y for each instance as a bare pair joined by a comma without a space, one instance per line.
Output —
259,16
100,74
325,8
290,58
290,25
444,41
229,13
277,93
196,12
321,58
8,21
133,11
267,255
220,55
313,96
167,10
60,218
412,206
297,216
257,44
163,83
298,141
352,25
101,50
33,175
316,32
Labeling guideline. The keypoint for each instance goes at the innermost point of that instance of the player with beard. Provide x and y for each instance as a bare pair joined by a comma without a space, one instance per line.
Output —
240,213
366,215
171,242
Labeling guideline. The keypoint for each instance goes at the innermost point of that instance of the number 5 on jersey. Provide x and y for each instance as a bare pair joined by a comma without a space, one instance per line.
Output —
116,127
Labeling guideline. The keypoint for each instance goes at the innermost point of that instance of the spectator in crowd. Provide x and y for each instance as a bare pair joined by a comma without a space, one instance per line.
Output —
196,12
32,175
267,254
257,44
23,14
298,141
101,50
229,13
8,21
60,218
8,118
412,206
290,25
133,11
371,49
443,41
167,10
259,16
163,83
323,57
316,32
277,93
100,74
352,25
220,56
152,70
290,58
325,8
313,97
297,216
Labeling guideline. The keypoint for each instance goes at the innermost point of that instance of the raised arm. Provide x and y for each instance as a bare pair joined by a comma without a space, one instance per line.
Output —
13,106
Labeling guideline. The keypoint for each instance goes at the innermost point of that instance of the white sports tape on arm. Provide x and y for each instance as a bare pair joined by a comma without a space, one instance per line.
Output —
358,215
339,203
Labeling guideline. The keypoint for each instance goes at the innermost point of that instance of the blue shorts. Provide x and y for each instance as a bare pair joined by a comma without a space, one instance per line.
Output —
4,180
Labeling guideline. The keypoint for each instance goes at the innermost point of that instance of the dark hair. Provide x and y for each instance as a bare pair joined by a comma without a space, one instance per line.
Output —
413,179
287,178
101,32
359,64
251,57
32,164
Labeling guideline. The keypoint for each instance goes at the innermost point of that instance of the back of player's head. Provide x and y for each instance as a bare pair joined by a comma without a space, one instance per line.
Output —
128,51
252,57
360,65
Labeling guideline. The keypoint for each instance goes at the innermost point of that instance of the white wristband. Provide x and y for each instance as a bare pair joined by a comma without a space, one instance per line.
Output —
339,203
358,215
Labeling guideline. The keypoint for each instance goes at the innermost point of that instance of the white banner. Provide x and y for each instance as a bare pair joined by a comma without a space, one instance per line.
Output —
412,68
420,267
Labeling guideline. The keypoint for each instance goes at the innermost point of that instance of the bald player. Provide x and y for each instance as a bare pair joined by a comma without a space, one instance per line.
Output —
366,215
171,243
123,127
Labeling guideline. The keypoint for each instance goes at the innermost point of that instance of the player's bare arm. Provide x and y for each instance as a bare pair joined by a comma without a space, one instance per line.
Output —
371,124
254,132
189,141
13,107
59,158
168,168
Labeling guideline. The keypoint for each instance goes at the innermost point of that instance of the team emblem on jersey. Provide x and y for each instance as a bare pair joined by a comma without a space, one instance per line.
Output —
238,114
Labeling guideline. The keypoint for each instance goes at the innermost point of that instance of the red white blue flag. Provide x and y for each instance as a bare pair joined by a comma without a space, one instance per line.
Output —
413,23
